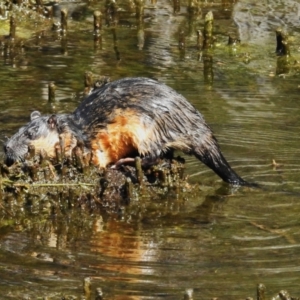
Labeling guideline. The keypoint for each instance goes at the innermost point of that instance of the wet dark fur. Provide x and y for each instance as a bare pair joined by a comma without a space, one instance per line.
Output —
151,117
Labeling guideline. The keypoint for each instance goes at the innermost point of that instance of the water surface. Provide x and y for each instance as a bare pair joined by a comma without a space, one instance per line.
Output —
221,241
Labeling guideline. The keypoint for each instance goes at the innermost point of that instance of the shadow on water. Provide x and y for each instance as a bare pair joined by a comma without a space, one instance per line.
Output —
219,241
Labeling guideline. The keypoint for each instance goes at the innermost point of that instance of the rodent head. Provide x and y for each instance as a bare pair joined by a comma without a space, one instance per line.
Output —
42,132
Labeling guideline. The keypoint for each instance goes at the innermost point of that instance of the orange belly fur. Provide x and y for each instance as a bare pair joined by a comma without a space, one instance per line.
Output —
118,140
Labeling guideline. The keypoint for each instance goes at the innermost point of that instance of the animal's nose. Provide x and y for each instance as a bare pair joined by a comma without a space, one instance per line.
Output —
6,148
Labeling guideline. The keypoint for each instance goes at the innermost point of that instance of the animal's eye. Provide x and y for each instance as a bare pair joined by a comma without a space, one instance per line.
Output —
31,133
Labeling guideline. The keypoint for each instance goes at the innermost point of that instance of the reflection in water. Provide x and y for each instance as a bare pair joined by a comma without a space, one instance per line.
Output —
135,249
115,43
170,245
127,252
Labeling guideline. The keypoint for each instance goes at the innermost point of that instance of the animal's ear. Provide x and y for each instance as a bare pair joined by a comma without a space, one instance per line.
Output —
34,115
52,121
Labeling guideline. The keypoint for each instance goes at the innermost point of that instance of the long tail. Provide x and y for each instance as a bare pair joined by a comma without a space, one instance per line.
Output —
221,167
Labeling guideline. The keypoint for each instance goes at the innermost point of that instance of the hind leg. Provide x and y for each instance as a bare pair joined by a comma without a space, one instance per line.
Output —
146,162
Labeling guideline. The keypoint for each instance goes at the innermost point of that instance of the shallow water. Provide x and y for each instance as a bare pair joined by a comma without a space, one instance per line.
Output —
220,241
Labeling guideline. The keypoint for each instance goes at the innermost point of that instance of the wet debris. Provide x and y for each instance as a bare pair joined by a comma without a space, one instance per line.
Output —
176,6
139,9
92,81
188,294
51,92
111,13
282,42
286,63
233,40
97,293
194,7
208,38
75,181
261,291
97,23
64,21
87,287
12,28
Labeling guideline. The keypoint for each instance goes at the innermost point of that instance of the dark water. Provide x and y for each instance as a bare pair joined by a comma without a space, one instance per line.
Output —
220,241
